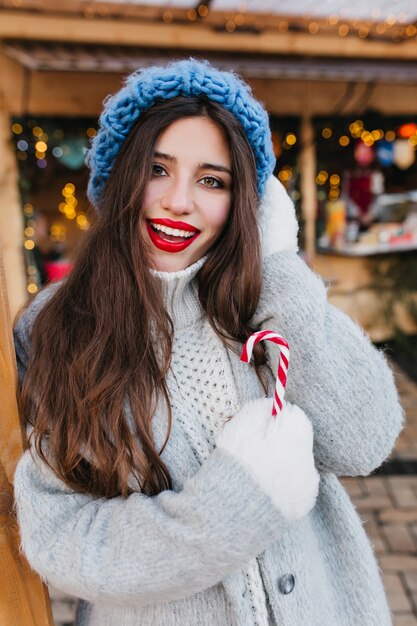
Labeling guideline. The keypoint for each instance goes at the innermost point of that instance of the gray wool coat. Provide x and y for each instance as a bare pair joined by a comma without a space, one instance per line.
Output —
257,529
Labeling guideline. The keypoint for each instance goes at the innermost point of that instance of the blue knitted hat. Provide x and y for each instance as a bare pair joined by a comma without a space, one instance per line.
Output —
180,78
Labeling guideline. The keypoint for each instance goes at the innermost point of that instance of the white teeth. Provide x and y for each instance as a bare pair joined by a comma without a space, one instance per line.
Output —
176,232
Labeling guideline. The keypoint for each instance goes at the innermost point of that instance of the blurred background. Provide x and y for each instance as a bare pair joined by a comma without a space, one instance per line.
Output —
339,80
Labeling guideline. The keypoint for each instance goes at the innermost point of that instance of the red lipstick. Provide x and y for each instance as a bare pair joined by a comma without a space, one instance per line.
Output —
170,246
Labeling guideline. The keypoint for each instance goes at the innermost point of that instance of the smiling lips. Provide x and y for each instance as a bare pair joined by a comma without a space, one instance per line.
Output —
171,236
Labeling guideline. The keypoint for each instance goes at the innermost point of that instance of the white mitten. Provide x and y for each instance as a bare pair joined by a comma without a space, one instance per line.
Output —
277,222
278,452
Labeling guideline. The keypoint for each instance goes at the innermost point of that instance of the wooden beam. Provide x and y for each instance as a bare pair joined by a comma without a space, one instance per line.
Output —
72,94
12,82
287,97
249,20
308,168
193,37
11,219
82,93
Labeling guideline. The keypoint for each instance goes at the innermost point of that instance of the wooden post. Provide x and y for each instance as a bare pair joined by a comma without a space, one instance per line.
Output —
24,599
11,219
308,165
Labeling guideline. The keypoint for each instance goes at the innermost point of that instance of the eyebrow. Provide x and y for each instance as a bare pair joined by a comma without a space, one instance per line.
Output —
202,166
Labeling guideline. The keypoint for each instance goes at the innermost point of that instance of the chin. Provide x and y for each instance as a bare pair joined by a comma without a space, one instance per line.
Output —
172,264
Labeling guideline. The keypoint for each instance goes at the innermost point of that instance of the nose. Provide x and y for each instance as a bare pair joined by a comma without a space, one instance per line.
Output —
177,197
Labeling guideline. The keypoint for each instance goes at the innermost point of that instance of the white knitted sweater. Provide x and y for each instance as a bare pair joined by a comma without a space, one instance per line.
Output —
243,539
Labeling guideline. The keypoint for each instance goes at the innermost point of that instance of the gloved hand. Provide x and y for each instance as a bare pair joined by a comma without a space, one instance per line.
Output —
278,452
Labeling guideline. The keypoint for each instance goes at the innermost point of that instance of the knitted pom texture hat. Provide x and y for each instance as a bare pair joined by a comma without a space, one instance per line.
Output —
180,78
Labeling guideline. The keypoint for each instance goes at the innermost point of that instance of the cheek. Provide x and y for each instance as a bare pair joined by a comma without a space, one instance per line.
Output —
152,193
148,197
219,214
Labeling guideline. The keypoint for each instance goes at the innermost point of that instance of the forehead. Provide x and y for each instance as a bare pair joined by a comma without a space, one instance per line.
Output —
193,138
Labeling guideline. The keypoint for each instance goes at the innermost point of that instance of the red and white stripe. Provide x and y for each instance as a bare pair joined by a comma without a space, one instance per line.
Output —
269,335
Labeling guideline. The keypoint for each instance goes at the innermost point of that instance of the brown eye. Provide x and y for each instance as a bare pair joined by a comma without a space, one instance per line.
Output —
158,170
211,182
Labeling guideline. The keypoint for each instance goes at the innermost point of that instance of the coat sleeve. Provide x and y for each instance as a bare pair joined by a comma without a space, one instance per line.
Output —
341,381
143,550
23,327
151,549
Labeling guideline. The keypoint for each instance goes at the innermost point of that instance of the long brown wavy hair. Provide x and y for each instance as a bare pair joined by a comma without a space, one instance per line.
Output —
94,376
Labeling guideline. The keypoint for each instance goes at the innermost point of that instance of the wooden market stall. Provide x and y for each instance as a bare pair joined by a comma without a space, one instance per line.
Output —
62,62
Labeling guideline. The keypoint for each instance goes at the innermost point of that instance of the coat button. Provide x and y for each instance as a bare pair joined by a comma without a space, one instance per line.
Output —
286,583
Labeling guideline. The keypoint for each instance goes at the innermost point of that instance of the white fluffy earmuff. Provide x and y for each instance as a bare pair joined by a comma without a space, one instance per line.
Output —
277,221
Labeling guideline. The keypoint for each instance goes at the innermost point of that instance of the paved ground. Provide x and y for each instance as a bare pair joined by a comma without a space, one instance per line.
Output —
388,508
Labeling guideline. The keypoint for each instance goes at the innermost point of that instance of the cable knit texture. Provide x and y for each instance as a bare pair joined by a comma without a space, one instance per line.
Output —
180,78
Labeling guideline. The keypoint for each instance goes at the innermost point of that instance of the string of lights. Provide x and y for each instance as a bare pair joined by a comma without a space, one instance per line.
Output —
357,131
378,20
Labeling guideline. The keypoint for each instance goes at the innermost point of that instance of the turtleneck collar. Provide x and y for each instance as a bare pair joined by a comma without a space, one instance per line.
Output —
180,293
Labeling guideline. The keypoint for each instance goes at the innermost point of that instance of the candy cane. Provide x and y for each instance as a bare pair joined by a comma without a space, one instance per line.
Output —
282,363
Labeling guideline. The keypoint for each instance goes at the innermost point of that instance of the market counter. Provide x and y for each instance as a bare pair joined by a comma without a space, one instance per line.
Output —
375,285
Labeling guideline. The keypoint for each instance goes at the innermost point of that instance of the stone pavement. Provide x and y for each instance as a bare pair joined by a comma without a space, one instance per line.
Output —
388,507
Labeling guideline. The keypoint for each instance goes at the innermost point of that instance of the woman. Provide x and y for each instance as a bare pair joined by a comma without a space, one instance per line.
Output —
159,489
